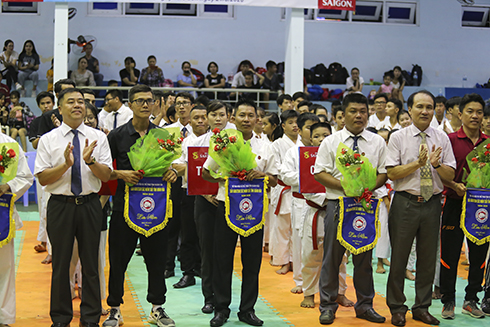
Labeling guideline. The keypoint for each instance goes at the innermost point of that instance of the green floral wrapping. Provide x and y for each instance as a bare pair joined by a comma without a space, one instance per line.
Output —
358,174
231,153
155,152
479,164
9,159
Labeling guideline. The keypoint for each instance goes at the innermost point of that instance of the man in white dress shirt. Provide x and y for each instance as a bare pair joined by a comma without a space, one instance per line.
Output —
71,161
19,185
119,114
354,136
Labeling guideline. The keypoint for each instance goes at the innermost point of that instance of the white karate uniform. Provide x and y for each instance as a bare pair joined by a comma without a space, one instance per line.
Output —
19,185
383,245
281,232
289,173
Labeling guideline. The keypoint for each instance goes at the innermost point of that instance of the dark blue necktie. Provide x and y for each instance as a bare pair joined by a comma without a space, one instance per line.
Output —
354,145
76,177
115,121
184,132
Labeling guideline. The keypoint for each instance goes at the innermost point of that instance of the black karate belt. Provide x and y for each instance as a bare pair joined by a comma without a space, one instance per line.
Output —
78,200
416,198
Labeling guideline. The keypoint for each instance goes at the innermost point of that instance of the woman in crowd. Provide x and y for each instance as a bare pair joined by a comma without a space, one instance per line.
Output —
214,81
152,75
82,76
28,65
19,113
398,83
129,75
8,64
271,126
186,79
4,113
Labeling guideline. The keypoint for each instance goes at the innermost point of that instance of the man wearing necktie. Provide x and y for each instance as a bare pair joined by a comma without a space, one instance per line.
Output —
71,161
353,135
419,159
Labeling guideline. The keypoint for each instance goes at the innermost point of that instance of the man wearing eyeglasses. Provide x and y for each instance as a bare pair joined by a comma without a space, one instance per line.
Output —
119,114
184,102
380,101
122,238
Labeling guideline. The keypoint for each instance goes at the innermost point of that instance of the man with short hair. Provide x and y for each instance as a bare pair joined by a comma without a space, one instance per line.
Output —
93,64
89,96
354,135
419,159
122,238
438,118
452,108
380,101
284,102
463,142
72,171
298,97
119,114
184,102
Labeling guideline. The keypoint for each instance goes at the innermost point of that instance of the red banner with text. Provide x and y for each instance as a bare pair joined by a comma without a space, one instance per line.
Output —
196,185
337,4
307,182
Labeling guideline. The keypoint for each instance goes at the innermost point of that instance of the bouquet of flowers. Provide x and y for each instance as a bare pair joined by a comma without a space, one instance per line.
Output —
8,161
479,164
233,155
154,153
359,175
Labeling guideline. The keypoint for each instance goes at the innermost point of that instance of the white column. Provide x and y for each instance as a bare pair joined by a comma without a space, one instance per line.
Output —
294,63
60,41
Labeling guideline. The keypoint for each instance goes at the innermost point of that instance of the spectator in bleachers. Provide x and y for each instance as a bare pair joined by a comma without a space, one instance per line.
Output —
152,75
271,82
214,80
398,83
284,102
50,77
93,64
5,90
354,83
8,64
3,112
239,78
28,65
386,87
19,113
45,102
249,84
187,78
113,83
82,76
129,75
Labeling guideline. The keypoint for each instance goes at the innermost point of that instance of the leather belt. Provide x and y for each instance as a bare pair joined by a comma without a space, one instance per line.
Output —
286,187
314,225
78,200
415,198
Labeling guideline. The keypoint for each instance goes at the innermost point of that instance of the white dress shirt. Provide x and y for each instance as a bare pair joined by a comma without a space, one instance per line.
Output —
373,145
124,114
50,154
180,126
183,158
22,181
403,149
102,117
265,159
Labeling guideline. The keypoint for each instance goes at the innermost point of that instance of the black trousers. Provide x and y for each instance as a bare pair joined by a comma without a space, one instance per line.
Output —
122,243
65,221
409,219
190,251
205,215
224,252
451,241
333,252
176,194
10,74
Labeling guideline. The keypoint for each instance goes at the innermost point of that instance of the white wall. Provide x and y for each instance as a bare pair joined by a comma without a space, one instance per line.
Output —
445,50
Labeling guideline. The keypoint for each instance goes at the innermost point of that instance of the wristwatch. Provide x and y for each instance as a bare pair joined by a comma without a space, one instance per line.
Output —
93,161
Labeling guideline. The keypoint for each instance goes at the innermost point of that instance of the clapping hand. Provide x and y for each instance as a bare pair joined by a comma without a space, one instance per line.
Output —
69,160
435,156
88,150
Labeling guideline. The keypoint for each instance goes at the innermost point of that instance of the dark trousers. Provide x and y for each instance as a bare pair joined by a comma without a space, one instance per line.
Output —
176,194
224,252
122,243
10,75
333,252
190,251
205,215
451,241
65,221
409,219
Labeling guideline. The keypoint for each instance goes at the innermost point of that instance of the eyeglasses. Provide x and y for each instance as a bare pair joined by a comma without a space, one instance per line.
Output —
109,99
186,103
141,102
380,102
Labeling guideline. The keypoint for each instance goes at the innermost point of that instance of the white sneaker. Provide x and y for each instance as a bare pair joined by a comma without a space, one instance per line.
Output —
22,93
18,86
115,319
34,94
160,318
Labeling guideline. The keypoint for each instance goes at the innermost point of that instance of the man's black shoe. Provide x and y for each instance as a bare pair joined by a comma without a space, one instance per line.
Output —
169,273
88,324
327,317
207,308
250,318
185,281
372,316
219,319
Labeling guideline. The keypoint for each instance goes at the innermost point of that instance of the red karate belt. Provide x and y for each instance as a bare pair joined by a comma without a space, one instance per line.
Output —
314,226
286,187
298,195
